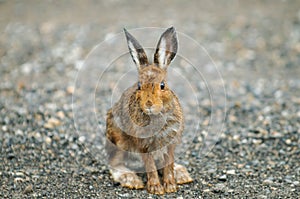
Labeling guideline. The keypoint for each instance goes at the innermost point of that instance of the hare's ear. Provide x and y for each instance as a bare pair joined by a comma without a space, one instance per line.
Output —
166,48
136,51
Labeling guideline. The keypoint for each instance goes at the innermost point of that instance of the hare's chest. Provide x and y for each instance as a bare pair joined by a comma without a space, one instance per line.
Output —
168,134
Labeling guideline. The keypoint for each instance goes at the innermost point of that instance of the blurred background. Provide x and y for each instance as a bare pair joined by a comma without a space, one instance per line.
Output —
254,44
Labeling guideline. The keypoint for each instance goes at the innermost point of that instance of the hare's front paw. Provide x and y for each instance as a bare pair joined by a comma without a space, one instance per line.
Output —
155,188
182,176
170,187
131,180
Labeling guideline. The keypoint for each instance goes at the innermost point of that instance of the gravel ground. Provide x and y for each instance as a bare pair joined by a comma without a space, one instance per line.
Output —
255,45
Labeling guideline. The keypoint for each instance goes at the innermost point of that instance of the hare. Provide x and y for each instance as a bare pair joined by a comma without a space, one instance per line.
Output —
148,120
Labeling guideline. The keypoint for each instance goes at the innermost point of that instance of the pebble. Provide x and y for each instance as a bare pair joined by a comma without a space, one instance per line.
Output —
206,190
288,141
236,138
256,141
37,136
19,132
262,197
51,123
288,179
230,172
223,178
19,180
220,187
81,139
239,166
244,141
48,140
268,182
276,134
211,170
70,90
233,118
28,189
60,114
124,195
4,128
296,183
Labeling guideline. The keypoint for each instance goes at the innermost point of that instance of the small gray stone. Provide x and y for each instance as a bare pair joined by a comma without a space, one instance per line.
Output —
124,195
262,197
220,187
296,183
231,172
268,182
223,178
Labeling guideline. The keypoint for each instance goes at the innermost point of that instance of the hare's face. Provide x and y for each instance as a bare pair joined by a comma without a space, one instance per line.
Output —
153,92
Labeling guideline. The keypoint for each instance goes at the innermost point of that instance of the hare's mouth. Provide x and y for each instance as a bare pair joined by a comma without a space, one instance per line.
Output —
153,110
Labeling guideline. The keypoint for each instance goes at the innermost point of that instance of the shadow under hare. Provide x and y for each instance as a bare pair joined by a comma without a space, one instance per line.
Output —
148,120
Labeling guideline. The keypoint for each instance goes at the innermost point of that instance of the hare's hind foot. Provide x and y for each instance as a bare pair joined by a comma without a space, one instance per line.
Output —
131,180
182,176
127,178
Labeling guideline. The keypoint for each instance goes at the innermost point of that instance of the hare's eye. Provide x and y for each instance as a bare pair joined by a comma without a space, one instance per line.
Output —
162,85
139,85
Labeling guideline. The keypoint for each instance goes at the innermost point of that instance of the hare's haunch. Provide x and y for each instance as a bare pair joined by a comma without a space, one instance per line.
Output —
148,119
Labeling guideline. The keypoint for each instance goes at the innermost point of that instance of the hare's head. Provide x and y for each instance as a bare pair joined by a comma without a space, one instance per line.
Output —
153,92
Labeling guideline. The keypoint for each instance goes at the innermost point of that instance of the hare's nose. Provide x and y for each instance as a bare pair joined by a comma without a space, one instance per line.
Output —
149,103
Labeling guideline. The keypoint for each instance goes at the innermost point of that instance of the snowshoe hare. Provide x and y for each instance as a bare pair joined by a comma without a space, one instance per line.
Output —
148,120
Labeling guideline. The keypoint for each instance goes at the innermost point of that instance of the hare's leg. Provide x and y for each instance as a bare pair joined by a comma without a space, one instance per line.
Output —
168,171
153,183
182,176
120,173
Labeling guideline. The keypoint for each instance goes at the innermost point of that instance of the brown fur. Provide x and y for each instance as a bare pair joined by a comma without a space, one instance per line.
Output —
147,120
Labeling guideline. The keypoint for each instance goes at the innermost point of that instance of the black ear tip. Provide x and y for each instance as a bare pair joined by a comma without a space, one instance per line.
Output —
127,34
125,31
171,29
